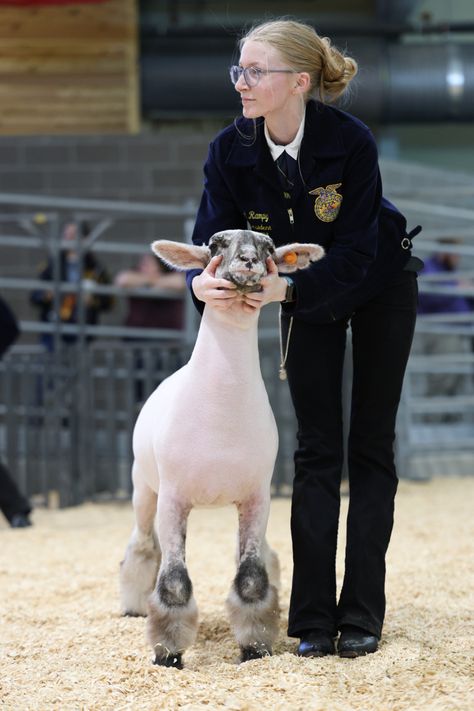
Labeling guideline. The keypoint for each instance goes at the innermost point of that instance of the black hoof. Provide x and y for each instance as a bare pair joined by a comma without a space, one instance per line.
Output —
130,613
171,660
254,652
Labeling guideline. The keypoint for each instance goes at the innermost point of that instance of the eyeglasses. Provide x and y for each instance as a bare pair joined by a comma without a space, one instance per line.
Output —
252,75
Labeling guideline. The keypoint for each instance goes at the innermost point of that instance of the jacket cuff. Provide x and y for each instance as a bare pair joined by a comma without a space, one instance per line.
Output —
190,274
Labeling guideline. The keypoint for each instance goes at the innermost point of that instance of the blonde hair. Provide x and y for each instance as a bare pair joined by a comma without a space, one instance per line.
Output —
304,50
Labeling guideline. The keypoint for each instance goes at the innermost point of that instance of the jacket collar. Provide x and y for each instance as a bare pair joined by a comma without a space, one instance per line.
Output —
322,139
292,149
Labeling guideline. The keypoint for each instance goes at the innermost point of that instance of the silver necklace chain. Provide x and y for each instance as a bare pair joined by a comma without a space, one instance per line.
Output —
283,356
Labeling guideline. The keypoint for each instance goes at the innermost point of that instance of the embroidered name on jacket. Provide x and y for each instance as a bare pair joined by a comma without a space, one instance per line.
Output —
259,221
327,203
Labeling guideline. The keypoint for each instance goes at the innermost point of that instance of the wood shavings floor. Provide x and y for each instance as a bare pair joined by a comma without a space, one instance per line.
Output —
63,644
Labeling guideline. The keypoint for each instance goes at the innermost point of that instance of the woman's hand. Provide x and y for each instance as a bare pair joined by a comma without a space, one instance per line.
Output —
217,293
274,288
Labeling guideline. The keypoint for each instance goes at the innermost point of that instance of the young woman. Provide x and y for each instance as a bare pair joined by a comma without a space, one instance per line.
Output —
300,170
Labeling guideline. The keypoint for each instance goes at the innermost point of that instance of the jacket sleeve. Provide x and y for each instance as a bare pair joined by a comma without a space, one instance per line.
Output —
9,330
354,245
217,211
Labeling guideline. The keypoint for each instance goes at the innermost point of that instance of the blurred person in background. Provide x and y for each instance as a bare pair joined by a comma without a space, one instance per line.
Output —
447,383
151,312
146,312
92,273
445,262
14,506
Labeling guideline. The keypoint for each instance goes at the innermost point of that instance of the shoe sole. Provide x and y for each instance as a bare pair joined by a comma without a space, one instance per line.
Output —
353,655
350,655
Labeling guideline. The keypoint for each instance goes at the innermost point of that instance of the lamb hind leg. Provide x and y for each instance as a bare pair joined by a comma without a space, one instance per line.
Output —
139,569
253,600
172,613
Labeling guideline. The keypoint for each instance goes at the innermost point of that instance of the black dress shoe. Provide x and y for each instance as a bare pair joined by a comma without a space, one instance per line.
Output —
20,520
317,643
355,642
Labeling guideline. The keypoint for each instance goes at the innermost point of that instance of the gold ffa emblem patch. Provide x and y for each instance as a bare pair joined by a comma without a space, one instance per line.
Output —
327,203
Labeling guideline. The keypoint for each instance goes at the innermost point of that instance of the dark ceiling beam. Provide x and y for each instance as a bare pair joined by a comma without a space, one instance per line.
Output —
396,11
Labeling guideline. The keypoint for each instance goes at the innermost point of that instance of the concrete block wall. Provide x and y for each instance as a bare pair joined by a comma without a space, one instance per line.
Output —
162,165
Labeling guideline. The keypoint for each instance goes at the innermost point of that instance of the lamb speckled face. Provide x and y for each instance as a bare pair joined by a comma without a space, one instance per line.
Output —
244,260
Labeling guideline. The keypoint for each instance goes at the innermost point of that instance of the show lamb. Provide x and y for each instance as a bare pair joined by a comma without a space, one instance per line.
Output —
207,437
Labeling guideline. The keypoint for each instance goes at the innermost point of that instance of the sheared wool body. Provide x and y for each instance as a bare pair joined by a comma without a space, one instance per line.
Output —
210,425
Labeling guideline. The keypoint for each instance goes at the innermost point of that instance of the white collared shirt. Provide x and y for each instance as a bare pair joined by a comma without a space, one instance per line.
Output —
291,148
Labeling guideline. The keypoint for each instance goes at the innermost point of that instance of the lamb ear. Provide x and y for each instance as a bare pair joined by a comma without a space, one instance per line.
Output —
295,256
178,255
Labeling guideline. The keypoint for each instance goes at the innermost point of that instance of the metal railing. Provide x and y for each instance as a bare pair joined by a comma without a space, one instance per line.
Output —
68,422
67,416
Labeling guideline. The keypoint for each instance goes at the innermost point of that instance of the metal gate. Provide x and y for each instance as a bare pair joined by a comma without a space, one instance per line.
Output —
66,421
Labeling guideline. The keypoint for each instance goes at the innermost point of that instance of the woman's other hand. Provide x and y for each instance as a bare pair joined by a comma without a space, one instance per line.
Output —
274,288
216,293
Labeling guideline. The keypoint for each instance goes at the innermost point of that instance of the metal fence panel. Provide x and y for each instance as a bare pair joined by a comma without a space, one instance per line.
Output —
67,420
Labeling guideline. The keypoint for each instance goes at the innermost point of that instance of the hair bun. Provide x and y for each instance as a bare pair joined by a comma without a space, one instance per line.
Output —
337,71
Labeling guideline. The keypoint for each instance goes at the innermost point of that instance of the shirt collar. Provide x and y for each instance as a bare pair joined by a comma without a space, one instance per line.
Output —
292,148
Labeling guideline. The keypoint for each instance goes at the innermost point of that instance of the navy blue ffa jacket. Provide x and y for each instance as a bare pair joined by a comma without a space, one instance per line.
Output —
336,202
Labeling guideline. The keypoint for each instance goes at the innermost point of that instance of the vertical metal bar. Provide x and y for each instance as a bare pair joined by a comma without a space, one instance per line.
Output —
92,385
55,257
59,451
130,390
51,462
111,458
71,391
84,417
81,320
39,415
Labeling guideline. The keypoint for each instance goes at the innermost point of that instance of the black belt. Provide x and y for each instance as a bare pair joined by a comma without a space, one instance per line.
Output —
414,264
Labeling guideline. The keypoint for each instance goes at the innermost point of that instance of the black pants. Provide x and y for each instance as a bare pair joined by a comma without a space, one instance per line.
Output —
382,332
11,500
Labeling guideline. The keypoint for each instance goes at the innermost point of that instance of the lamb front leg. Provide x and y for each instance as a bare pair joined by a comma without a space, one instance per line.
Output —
139,568
172,613
253,599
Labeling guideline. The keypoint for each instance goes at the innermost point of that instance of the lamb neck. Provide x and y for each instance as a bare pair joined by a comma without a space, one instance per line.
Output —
226,347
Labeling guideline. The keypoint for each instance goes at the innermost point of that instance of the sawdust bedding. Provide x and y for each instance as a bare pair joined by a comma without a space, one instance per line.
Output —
64,645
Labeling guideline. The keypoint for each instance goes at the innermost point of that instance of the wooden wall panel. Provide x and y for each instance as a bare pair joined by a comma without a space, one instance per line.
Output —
69,69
